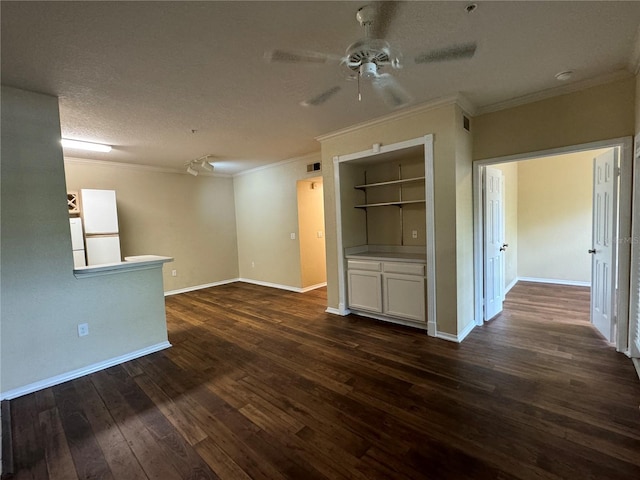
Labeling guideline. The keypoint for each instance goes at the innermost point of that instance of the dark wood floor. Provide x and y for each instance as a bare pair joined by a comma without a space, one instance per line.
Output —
263,384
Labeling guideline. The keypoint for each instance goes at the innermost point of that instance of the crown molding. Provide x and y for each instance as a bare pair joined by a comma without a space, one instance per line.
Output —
457,99
306,157
555,91
136,166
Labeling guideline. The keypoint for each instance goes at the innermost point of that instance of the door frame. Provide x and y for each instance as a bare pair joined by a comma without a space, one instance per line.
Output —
426,142
624,226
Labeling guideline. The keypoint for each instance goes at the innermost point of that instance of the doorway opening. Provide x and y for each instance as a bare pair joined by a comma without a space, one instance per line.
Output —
541,228
313,269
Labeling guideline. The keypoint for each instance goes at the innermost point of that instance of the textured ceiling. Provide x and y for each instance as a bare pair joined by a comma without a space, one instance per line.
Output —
142,75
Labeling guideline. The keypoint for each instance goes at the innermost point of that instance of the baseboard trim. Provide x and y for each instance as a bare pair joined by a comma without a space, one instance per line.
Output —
81,372
313,287
575,283
271,285
200,287
636,362
511,285
459,337
337,311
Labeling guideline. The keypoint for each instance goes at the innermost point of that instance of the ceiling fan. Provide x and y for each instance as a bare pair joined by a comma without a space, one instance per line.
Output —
368,58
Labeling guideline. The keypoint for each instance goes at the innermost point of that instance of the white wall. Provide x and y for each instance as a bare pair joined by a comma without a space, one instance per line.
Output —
42,301
191,219
266,215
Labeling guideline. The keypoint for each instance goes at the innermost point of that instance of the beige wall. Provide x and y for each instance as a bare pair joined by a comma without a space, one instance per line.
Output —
554,217
311,228
266,215
599,113
42,301
440,122
464,222
191,219
510,173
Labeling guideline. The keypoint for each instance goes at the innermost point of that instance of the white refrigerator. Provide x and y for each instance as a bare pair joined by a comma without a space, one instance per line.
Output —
77,242
100,218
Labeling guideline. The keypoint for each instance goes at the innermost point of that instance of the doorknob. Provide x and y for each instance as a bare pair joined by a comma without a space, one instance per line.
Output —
592,250
504,247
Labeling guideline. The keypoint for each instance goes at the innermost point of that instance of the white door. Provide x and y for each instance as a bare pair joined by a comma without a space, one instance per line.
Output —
493,243
604,237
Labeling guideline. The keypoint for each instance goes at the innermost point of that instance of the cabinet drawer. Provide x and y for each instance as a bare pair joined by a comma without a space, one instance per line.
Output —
363,265
406,268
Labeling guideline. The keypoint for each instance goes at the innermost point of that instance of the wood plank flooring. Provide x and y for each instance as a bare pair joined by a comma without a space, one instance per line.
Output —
262,384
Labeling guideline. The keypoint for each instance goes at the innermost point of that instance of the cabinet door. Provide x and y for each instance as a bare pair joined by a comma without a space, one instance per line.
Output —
365,290
404,296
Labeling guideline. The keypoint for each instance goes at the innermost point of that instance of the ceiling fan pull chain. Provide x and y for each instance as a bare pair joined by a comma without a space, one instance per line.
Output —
359,94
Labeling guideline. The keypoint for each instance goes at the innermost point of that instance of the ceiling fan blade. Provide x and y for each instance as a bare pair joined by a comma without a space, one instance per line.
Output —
320,99
386,12
300,56
393,94
457,52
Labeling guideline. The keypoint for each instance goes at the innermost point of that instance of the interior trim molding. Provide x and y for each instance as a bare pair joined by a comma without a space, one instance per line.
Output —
272,285
309,156
81,372
136,166
574,283
460,336
555,91
409,112
337,311
511,285
636,363
313,287
199,287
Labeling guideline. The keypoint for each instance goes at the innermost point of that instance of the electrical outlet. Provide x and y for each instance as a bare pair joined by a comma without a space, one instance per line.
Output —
83,329
319,233
253,264
174,273
293,236
414,234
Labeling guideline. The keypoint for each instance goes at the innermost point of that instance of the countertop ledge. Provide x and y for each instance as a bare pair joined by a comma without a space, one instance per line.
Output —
138,262
387,252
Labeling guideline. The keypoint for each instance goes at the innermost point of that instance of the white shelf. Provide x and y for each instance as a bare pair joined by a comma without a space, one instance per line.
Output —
386,204
390,182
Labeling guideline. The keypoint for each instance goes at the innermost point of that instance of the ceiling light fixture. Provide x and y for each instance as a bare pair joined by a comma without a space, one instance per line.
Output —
80,145
201,162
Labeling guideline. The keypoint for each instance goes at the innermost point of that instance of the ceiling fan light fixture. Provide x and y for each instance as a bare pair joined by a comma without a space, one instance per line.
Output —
369,70
89,146
192,171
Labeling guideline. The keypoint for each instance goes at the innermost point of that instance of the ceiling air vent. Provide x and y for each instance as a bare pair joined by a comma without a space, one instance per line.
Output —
314,167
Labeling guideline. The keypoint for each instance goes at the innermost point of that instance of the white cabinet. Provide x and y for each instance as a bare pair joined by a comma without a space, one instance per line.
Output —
365,290
404,296
393,289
